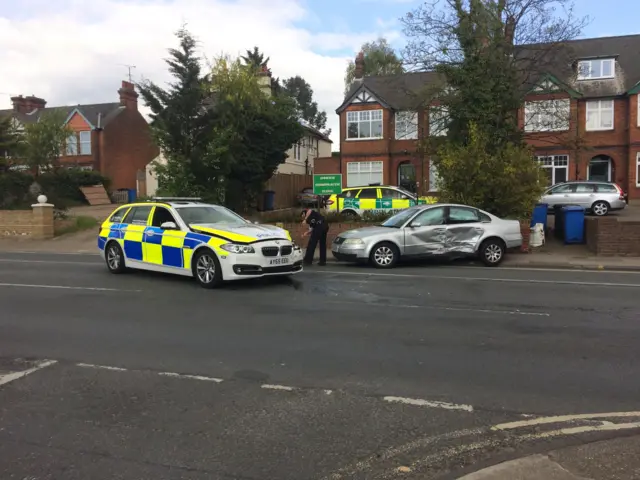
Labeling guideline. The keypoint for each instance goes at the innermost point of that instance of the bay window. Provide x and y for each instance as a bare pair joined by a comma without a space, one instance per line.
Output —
547,115
406,126
364,173
365,124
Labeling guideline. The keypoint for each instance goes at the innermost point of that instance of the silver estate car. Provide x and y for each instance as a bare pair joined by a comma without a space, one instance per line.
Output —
430,230
599,198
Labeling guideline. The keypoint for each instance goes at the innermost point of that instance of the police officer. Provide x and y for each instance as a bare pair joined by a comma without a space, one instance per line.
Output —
318,229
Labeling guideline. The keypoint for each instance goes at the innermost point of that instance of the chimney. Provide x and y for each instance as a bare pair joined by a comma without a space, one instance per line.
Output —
128,95
27,104
264,80
359,70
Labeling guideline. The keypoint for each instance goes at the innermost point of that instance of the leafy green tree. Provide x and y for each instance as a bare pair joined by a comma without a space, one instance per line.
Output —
507,182
258,129
487,53
299,89
379,59
44,141
9,140
185,128
255,59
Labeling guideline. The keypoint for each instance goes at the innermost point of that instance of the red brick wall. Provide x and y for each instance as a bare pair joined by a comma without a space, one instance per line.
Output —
326,165
128,147
609,236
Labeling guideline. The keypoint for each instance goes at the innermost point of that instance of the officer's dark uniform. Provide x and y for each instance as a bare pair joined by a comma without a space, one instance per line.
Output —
319,229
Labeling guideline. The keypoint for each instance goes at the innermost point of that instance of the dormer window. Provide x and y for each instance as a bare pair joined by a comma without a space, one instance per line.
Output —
596,69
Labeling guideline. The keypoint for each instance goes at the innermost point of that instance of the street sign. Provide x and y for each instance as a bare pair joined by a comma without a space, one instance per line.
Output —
327,184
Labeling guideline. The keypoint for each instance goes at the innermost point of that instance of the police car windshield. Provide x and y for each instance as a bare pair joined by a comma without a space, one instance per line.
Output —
400,218
209,214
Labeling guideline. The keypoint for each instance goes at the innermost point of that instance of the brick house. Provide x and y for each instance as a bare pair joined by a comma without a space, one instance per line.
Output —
111,138
582,118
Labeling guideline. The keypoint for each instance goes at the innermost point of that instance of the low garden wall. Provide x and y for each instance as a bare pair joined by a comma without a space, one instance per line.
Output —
610,236
35,223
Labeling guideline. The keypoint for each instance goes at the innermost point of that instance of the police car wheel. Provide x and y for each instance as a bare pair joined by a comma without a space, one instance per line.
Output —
206,269
384,255
114,258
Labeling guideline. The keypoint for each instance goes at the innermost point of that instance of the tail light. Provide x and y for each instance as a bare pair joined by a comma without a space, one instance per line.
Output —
620,191
330,202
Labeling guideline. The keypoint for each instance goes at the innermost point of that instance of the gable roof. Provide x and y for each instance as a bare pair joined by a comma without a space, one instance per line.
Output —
97,114
401,92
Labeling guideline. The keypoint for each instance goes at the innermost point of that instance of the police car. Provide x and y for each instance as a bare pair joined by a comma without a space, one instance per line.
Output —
354,201
186,237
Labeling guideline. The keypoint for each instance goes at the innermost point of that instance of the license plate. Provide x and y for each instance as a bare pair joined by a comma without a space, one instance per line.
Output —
278,261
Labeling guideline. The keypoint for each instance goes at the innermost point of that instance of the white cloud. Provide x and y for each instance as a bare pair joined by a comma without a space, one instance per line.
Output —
73,53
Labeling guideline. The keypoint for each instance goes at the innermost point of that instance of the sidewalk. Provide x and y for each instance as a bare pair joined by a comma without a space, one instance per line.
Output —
616,459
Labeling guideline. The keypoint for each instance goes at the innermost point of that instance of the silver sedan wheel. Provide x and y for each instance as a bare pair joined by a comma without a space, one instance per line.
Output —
383,256
493,253
206,268
113,257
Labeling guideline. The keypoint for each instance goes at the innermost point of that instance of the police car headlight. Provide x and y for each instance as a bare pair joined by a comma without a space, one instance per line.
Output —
353,241
295,246
234,248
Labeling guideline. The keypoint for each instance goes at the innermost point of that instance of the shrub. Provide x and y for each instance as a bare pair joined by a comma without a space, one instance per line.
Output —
14,190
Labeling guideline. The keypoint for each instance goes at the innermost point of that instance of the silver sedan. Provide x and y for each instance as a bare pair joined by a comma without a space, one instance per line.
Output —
427,231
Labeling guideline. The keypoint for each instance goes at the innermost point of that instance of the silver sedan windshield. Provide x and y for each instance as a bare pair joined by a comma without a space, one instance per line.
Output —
400,218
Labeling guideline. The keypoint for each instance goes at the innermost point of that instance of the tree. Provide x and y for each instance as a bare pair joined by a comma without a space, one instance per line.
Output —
43,141
259,129
488,53
298,89
184,128
255,59
9,140
507,183
379,59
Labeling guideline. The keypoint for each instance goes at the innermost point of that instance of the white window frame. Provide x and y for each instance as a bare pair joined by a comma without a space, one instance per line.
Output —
406,125
71,145
365,117
554,163
437,116
433,177
637,169
85,142
585,69
596,108
365,172
547,115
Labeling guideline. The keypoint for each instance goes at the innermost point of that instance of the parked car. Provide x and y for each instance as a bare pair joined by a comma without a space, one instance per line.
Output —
430,230
355,201
306,198
599,198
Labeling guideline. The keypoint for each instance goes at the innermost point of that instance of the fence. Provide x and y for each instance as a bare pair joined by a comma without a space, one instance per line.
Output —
287,186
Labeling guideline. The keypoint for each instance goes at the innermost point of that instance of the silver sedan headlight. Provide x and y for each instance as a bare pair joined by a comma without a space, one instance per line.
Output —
353,241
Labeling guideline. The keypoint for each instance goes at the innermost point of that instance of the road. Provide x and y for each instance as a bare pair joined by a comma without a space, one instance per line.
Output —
340,372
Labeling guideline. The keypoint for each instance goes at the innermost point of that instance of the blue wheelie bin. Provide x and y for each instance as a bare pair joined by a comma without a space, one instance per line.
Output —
540,215
269,200
573,224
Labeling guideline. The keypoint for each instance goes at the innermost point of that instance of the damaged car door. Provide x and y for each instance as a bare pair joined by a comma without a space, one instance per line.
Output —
425,234
464,230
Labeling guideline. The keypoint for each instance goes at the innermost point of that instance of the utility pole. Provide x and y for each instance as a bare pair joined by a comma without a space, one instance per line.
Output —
129,68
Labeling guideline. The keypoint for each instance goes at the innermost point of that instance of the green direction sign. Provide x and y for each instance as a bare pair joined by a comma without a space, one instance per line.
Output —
327,184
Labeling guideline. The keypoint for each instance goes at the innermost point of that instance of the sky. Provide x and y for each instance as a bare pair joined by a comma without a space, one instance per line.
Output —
75,51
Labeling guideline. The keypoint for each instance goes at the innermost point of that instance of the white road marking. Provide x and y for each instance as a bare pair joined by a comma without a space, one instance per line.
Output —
451,309
366,464
484,279
561,419
10,377
429,403
277,387
63,262
584,429
65,287
101,367
191,377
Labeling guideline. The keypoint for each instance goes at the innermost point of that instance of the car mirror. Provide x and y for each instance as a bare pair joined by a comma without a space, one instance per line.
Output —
255,223
415,225
169,226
